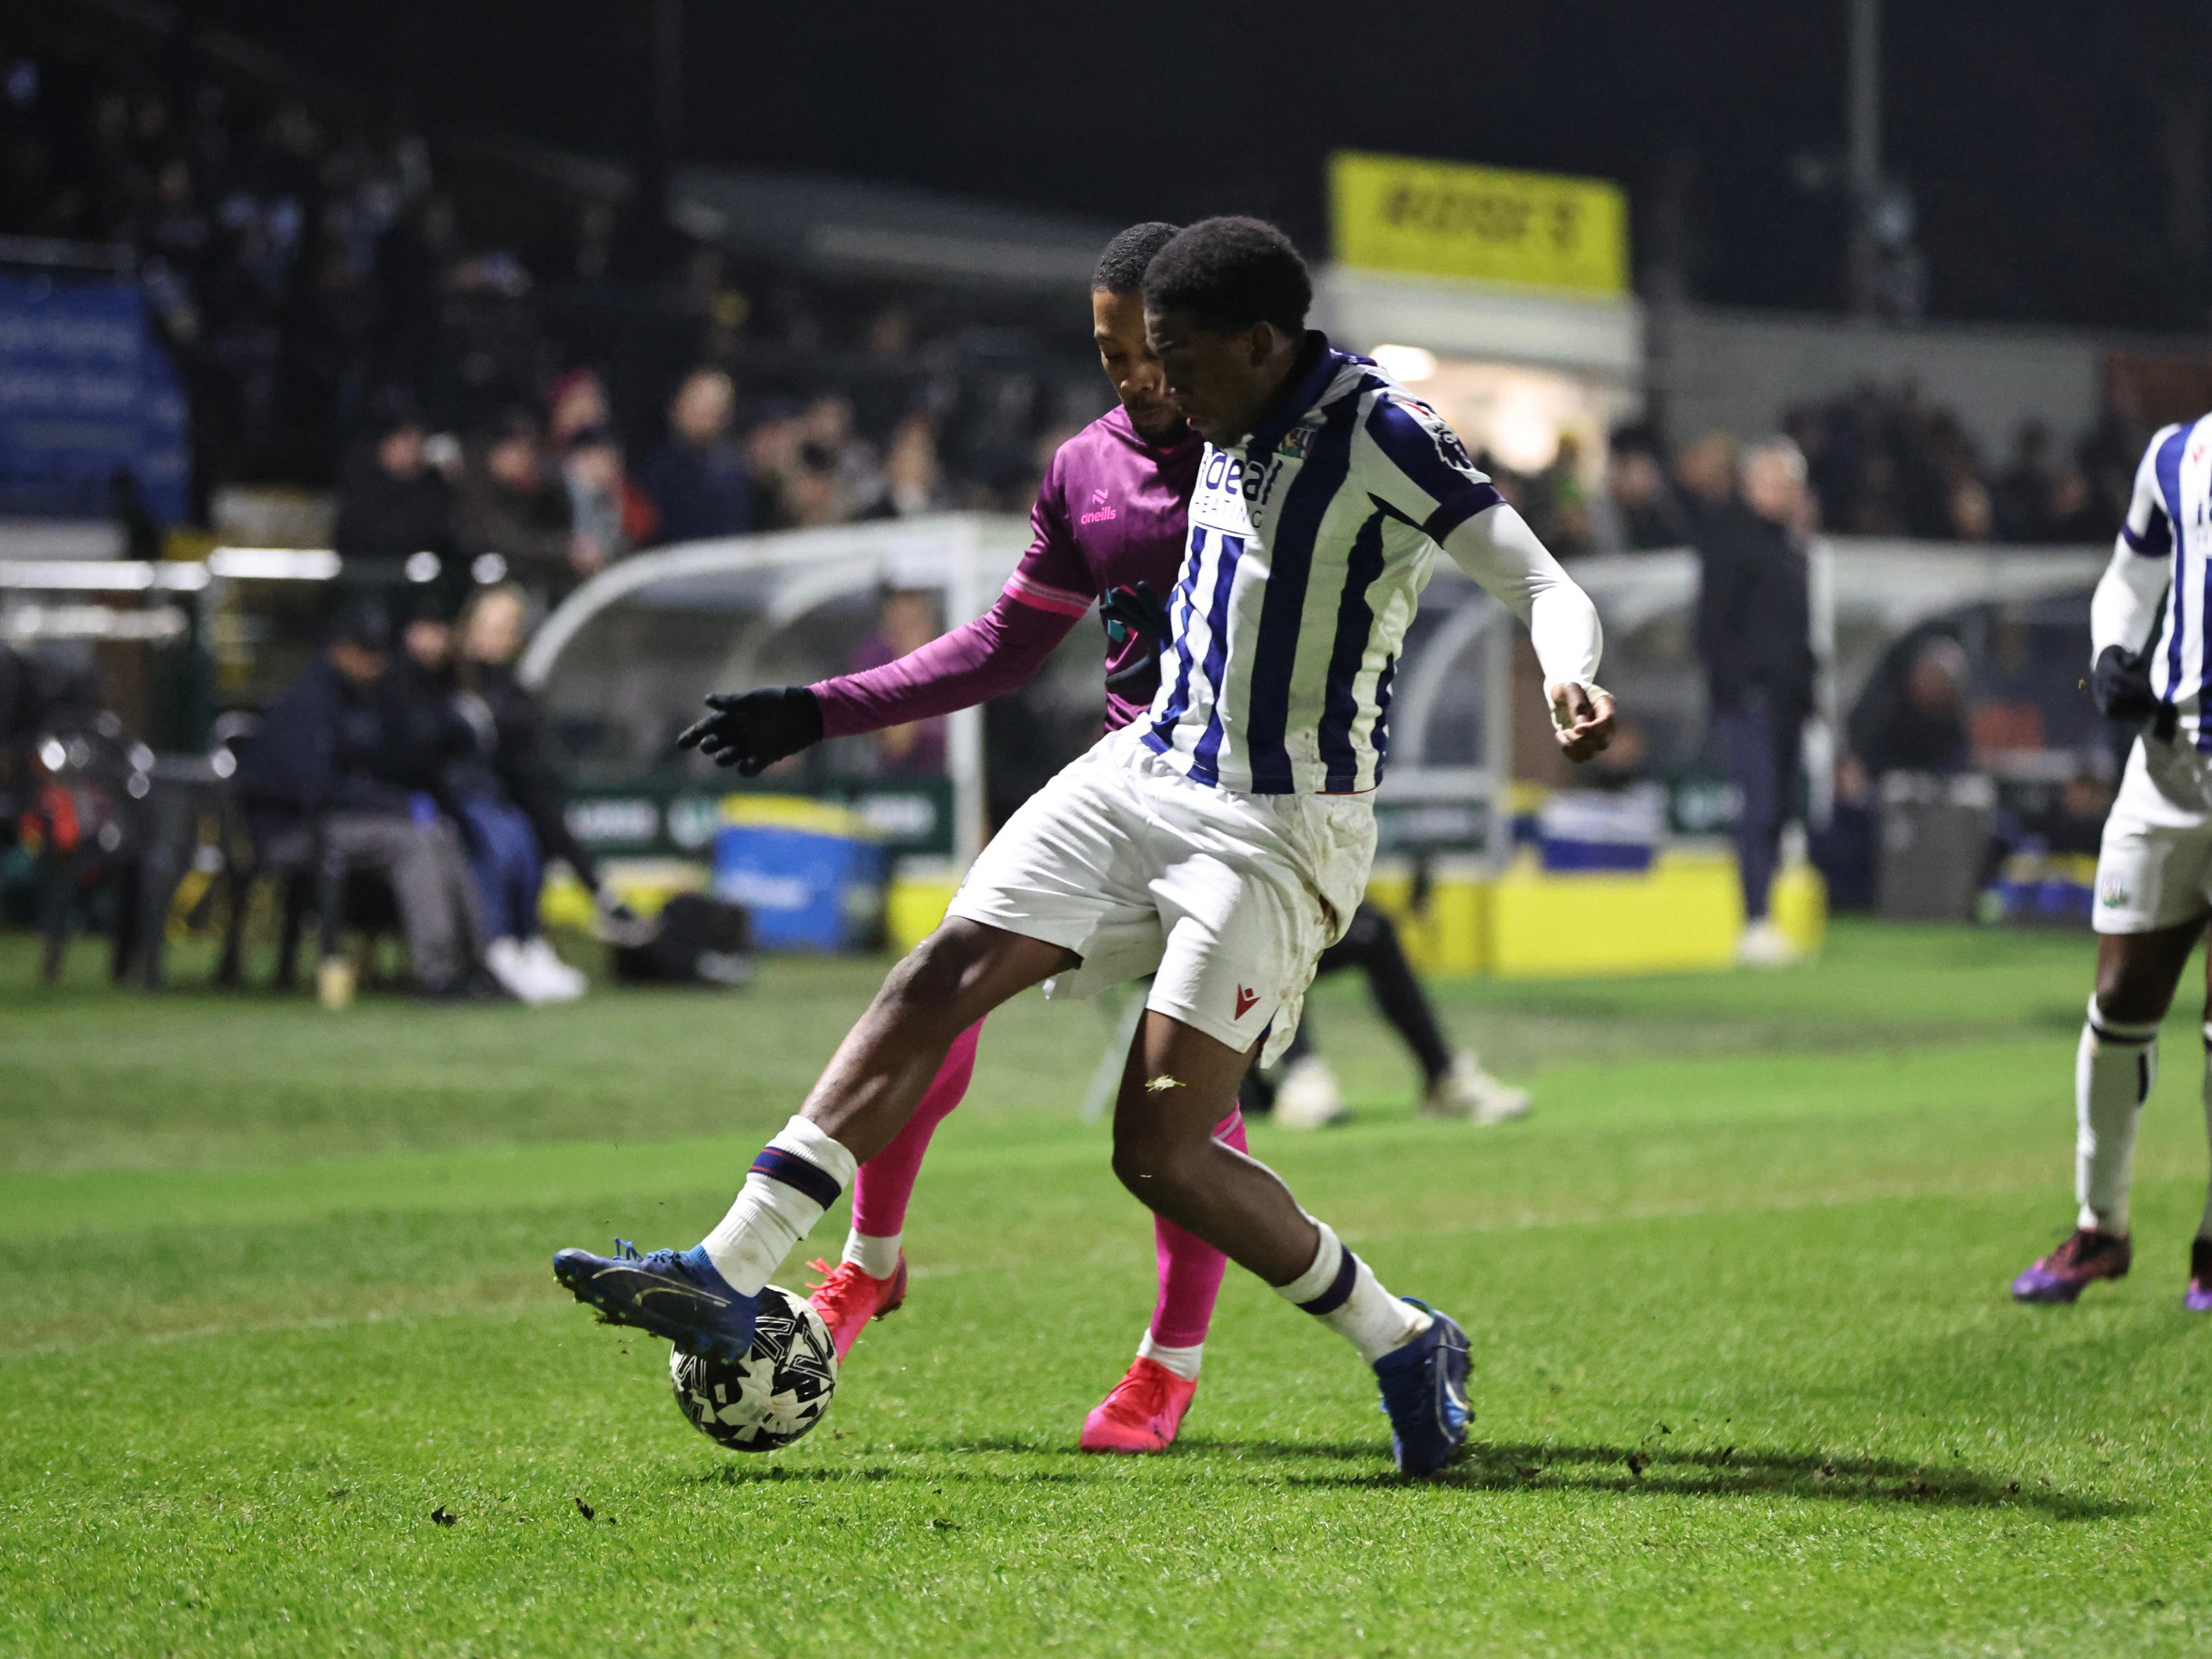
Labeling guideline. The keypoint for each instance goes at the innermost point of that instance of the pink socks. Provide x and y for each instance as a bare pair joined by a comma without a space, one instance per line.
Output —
1190,1268
886,1181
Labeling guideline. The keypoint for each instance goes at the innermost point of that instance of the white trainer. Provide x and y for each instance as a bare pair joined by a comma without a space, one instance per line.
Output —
560,982
1764,946
1309,1096
512,969
1469,1092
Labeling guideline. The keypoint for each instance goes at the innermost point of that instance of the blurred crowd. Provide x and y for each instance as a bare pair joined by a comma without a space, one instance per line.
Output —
414,755
464,357
1879,462
2009,709
507,382
462,353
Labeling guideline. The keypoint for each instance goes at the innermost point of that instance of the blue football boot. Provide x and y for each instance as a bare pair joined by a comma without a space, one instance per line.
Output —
674,1294
1424,1395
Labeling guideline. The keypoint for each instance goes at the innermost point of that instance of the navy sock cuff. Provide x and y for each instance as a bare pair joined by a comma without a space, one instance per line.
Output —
1340,1288
797,1173
2110,1031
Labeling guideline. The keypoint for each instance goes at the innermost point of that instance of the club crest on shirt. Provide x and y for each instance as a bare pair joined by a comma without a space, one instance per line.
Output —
1454,452
1295,441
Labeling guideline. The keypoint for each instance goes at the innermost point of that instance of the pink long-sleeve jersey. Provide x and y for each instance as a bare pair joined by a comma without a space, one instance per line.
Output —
1110,513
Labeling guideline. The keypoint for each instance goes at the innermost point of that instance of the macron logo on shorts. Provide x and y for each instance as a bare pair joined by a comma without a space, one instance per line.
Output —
1245,998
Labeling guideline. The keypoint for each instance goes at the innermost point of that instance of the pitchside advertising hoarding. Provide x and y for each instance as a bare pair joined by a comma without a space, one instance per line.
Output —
1434,218
86,392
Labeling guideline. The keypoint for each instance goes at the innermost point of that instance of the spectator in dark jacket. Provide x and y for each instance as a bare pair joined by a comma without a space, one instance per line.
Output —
602,502
456,727
1638,508
697,480
492,636
1755,636
331,771
392,503
1916,721
515,506
1704,475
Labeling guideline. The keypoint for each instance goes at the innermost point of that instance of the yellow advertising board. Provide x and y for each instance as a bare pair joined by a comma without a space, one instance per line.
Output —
1441,219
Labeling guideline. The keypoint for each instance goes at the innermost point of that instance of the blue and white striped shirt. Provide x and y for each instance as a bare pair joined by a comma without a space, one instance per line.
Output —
2167,522
1309,544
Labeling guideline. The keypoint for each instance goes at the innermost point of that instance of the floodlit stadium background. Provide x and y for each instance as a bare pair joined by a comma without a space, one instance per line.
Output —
242,245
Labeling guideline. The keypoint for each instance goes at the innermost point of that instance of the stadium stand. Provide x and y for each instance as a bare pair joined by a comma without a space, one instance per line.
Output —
471,347
309,263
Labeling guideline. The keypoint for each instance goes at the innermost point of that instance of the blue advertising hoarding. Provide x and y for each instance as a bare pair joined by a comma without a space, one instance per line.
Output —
84,389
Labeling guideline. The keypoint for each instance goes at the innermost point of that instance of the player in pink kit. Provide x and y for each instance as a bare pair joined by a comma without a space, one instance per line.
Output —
1109,524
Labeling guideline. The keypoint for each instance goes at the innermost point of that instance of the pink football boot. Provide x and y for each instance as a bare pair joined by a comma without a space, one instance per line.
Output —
848,1298
1142,1413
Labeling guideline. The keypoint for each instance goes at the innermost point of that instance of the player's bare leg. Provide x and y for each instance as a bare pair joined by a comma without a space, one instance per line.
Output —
703,1299
2137,974
943,986
869,1280
872,1086
1178,1085
2114,1068
1144,1411
2197,1298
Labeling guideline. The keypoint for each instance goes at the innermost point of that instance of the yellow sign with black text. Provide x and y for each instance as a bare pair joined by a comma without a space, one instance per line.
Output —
1441,219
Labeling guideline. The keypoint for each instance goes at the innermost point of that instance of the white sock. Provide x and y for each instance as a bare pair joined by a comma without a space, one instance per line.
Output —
2203,1227
876,1257
2113,1071
1183,1362
1342,1292
798,1176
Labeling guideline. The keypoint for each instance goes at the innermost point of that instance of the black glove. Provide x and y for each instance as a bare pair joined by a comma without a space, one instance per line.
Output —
754,730
2121,687
1136,612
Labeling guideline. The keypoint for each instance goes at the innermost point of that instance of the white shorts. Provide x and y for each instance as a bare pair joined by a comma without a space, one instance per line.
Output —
2155,867
1228,898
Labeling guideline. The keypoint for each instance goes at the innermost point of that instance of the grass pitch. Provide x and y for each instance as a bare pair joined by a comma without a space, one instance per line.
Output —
285,1371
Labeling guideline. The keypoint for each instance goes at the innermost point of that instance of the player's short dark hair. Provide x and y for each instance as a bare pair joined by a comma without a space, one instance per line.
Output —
1228,274
1121,267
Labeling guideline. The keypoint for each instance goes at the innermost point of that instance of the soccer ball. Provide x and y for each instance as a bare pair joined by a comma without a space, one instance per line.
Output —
775,1394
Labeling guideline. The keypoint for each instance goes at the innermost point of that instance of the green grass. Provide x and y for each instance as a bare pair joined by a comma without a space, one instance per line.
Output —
1746,1377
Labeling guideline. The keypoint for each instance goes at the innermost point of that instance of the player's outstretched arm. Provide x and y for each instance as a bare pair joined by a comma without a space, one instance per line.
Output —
996,654
1497,547
999,652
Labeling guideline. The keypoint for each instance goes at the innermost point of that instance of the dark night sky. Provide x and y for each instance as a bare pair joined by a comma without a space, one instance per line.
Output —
2044,140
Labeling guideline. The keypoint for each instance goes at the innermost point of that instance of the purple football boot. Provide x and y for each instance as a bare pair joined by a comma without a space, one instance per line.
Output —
2197,1299
2068,1270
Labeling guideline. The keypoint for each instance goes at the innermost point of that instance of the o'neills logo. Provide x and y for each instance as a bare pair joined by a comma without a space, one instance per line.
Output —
1100,512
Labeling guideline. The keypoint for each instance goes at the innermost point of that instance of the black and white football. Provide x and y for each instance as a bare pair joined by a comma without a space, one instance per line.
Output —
775,1395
